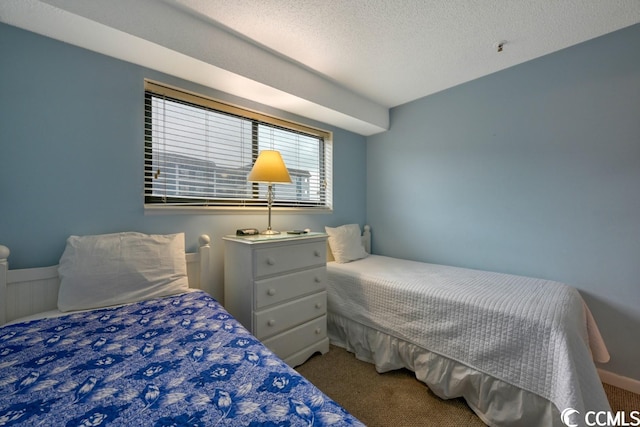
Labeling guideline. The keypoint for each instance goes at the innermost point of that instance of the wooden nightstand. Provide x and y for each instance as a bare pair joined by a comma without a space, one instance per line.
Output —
276,287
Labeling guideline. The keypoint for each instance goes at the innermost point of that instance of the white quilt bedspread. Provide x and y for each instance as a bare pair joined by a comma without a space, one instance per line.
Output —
535,334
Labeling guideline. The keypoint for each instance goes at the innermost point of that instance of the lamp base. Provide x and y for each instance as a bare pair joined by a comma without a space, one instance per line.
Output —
270,232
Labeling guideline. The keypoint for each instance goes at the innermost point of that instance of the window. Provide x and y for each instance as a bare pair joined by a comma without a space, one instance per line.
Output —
198,152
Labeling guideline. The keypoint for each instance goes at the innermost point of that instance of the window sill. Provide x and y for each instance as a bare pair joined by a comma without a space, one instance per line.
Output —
224,210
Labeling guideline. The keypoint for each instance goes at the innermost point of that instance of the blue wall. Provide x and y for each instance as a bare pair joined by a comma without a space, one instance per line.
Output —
71,154
534,170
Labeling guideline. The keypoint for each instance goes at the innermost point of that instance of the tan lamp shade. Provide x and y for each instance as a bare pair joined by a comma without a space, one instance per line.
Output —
269,167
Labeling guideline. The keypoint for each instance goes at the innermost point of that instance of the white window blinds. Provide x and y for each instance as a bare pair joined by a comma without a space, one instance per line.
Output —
199,152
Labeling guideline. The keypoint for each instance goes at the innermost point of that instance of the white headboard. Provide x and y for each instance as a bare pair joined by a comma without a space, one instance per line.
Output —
28,291
366,242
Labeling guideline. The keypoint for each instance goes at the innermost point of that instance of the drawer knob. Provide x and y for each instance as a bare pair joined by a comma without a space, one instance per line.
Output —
318,305
271,292
317,279
271,261
316,252
318,330
271,322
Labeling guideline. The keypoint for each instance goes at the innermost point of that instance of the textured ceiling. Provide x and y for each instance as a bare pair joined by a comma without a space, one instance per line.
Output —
343,62
395,51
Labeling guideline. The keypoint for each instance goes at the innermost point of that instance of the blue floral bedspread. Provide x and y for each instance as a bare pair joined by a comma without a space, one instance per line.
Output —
176,361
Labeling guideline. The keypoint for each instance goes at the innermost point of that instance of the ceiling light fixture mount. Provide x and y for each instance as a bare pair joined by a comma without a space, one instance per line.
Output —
499,46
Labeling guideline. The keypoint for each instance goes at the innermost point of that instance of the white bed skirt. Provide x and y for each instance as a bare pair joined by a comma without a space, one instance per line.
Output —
495,402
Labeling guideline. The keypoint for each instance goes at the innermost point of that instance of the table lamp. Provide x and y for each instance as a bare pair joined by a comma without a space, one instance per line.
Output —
269,168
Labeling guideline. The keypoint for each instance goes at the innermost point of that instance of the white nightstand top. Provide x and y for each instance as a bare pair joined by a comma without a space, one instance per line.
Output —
261,238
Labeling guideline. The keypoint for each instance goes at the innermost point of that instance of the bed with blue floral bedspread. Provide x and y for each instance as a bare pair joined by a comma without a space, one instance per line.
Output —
181,360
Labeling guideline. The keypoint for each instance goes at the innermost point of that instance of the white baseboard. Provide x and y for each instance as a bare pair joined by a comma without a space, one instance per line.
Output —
619,381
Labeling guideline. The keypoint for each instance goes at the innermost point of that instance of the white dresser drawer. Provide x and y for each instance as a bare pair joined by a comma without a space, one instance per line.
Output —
276,287
275,320
299,337
281,288
274,260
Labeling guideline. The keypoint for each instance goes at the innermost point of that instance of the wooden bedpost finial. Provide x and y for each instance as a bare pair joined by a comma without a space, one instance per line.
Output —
204,240
4,253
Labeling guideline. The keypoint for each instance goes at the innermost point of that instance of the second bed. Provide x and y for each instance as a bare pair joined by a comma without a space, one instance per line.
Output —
519,350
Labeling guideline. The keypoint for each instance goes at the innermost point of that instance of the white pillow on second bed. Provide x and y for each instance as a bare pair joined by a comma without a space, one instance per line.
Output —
109,269
346,243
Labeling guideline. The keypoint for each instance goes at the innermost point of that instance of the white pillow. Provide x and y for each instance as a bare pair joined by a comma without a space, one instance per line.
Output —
108,269
346,243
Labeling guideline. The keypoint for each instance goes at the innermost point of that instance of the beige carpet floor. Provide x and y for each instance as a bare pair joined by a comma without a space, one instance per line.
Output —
397,398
